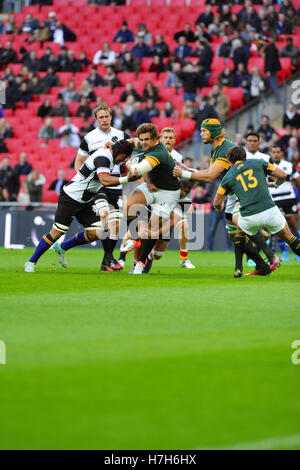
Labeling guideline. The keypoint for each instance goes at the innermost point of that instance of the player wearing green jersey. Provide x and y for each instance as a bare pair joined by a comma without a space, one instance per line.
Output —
247,180
159,165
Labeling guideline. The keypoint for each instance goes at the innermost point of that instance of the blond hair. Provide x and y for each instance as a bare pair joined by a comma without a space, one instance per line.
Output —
102,107
167,129
148,127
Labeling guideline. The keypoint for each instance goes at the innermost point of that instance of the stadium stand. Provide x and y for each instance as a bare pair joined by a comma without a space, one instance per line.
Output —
94,25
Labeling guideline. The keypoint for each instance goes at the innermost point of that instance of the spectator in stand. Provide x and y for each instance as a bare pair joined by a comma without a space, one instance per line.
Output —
62,58
8,55
128,107
272,65
121,121
94,78
11,26
292,51
265,127
48,131
291,117
69,93
157,65
129,90
160,47
139,115
128,63
257,83
242,79
238,53
61,109
68,126
204,52
151,109
62,34
124,34
69,139
187,33
5,129
84,109
30,25
206,17
3,146
37,86
204,111
86,127
45,109
142,32
219,101
45,32
8,75
23,167
105,56
32,62
183,50
86,90
111,78
60,181
292,148
201,34
35,182
249,15
72,64
10,94
191,80
225,13
189,110
150,91
215,27
226,79
9,181
169,111
140,50
224,49
173,79
283,26
24,94
83,60
45,59
51,79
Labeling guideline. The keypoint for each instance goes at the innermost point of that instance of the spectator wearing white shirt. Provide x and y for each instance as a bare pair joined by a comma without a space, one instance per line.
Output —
106,56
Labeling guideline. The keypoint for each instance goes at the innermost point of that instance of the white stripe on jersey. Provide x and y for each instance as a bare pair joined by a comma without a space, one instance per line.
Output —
285,190
95,140
85,184
176,156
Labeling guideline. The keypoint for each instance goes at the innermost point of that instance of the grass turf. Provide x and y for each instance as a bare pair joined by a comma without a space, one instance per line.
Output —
177,359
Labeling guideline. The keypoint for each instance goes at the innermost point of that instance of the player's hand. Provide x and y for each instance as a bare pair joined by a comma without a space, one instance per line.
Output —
108,145
181,165
132,177
177,172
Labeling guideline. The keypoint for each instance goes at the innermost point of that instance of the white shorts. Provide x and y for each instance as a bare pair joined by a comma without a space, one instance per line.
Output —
162,201
272,219
230,203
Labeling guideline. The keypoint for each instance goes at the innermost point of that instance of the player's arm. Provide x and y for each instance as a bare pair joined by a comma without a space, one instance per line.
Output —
102,165
145,166
219,199
82,155
280,175
206,176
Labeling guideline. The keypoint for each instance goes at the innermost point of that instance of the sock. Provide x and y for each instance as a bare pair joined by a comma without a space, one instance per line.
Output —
147,245
106,244
80,238
44,244
183,255
239,248
122,255
261,243
294,244
112,244
135,260
251,250
132,228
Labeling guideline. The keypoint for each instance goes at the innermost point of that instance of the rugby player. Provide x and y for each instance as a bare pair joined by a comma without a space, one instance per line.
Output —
112,196
247,180
285,198
78,197
158,165
213,133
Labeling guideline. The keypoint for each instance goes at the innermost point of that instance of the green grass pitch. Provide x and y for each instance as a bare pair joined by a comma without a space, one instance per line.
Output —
175,359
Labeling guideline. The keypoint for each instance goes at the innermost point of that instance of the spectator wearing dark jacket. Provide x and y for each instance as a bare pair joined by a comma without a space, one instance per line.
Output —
72,64
8,55
58,183
94,78
139,115
129,90
291,117
157,65
61,108
150,91
23,167
140,50
283,26
207,17
226,78
62,34
191,80
265,128
183,49
124,34
292,51
111,78
45,109
32,62
83,108
160,47
272,65
9,181
45,60
37,86
224,49
186,32
51,79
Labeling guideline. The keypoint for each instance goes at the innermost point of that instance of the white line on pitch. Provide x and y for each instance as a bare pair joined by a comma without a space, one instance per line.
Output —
272,443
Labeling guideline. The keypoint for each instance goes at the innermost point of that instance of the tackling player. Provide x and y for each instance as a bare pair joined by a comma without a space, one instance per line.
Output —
285,198
247,180
78,197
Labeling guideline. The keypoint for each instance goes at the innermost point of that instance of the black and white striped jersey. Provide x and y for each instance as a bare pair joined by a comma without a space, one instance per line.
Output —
285,190
97,139
85,184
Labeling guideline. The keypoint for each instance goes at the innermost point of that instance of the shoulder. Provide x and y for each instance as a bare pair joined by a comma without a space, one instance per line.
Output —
117,133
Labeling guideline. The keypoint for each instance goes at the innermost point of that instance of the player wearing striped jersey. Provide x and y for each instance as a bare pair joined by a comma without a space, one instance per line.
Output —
168,139
285,198
158,165
93,141
77,200
247,180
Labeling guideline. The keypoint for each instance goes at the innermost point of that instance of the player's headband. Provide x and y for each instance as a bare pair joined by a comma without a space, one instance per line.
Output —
213,126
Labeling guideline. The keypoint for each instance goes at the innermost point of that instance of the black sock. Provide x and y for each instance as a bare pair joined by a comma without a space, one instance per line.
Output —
147,245
132,228
106,244
261,243
239,248
122,255
294,245
112,244
251,251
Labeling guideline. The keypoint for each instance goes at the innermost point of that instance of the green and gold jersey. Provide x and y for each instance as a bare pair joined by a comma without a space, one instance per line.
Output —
247,180
219,155
163,164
